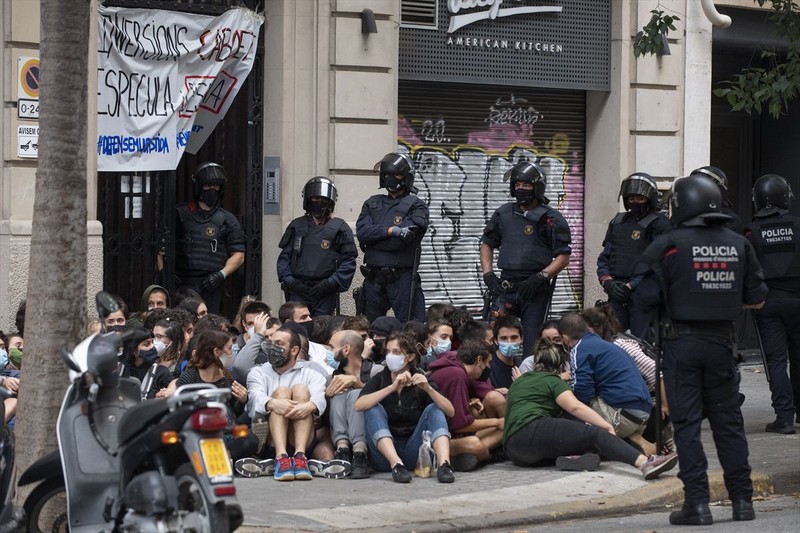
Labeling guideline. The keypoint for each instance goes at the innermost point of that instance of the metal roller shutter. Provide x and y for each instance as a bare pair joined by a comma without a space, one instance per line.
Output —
463,138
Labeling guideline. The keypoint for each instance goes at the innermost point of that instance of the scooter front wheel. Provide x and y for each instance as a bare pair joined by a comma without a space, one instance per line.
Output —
191,498
46,508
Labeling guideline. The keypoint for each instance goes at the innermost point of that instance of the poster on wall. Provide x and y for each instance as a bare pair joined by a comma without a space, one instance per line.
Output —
164,81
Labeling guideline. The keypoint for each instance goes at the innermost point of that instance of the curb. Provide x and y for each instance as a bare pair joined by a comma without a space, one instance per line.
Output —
663,494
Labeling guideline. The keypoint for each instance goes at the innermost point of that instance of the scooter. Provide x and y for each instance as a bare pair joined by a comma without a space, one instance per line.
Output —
130,466
11,516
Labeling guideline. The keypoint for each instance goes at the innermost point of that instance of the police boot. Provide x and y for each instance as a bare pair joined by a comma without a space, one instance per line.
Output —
743,510
692,515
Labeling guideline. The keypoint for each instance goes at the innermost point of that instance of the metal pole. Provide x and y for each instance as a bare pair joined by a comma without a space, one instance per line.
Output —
760,346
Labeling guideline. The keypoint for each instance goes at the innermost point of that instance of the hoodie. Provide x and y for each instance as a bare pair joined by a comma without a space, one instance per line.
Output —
146,296
450,375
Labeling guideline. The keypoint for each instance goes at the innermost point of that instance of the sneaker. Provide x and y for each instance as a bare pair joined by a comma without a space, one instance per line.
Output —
784,428
360,466
588,462
284,469
400,474
658,464
464,462
300,465
333,469
444,473
247,467
344,454
267,467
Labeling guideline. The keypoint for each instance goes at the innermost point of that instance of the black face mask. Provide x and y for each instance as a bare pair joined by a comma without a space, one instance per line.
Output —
377,352
308,325
116,329
320,209
639,210
393,183
276,356
149,356
210,197
524,196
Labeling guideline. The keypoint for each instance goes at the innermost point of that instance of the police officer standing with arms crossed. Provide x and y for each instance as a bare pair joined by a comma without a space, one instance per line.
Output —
390,229
534,246
211,243
318,253
701,275
775,235
627,237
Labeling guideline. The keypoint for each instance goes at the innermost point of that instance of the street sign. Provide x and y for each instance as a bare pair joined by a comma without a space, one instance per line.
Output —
27,108
28,142
28,77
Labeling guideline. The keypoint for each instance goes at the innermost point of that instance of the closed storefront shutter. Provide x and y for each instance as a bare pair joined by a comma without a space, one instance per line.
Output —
463,138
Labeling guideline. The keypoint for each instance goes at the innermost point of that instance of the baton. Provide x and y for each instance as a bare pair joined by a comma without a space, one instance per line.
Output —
413,296
760,345
657,342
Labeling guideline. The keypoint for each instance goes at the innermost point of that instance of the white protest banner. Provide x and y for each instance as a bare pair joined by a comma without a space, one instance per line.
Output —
164,81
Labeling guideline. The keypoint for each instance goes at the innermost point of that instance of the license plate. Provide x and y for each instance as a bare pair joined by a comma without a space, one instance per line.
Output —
215,458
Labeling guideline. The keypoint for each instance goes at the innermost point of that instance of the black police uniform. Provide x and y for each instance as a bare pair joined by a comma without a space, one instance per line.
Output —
776,239
528,241
703,276
205,241
625,241
389,260
312,253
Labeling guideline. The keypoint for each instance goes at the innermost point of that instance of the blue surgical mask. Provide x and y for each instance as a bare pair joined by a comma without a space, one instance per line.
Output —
3,358
330,358
442,345
510,349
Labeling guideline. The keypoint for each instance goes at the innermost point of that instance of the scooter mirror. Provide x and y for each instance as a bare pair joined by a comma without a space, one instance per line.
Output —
106,304
66,356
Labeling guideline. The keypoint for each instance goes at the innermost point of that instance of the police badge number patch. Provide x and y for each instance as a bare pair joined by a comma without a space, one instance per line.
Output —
397,220
211,231
325,244
636,234
528,229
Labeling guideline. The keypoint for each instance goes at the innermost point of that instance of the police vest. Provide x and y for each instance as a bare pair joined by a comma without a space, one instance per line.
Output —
631,238
776,240
201,245
316,250
712,265
522,251
390,212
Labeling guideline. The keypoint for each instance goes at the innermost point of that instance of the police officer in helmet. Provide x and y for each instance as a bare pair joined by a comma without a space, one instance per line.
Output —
701,275
390,229
211,243
318,252
533,240
718,176
775,235
628,235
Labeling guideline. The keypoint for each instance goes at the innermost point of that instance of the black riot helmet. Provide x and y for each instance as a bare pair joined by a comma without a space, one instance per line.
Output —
395,164
696,201
530,173
319,187
639,184
715,174
208,174
771,194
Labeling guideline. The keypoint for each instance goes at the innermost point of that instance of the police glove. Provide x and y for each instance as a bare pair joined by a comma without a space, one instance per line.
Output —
297,288
493,283
212,282
403,233
528,288
617,291
322,289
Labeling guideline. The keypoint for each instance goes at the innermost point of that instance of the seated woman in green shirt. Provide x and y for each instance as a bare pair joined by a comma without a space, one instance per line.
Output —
535,432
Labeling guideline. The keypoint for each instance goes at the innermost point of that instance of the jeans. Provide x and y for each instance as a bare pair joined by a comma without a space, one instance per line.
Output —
377,424
346,423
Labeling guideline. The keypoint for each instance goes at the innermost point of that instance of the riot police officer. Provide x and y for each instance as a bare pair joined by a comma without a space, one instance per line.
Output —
534,246
718,176
627,237
318,252
701,275
390,229
775,235
211,243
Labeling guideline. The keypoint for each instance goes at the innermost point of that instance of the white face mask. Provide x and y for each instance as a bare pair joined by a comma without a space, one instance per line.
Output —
159,346
251,331
395,363
227,360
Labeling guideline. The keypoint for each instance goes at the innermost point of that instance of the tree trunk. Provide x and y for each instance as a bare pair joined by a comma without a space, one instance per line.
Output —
56,305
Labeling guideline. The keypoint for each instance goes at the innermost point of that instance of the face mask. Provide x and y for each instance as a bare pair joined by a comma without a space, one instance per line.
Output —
251,331
510,349
330,358
209,197
638,210
149,356
227,360
393,183
276,356
485,373
308,325
15,356
116,329
159,346
380,344
442,346
3,358
523,196
320,209
394,362
235,349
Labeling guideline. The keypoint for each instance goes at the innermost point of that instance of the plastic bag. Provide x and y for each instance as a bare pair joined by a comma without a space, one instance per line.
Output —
426,457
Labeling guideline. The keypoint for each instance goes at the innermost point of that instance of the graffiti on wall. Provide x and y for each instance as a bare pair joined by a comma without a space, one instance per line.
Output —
463,185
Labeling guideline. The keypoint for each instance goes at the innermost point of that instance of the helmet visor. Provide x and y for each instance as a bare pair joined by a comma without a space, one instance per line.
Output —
323,188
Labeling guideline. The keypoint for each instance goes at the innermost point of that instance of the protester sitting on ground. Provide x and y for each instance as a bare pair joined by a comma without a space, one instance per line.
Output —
485,400
140,361
239,317
473,439
536,432
186,320
116,321
438,312
456,319
169,343
399,404
15,344
508,339
196,306
606,378
349,377
183,292
360,324
439,341
298,313
379,331
255,351
207,365
246,322
291,394
152,317
550,332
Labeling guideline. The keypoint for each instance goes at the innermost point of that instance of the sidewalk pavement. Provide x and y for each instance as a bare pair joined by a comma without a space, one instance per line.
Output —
503,495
